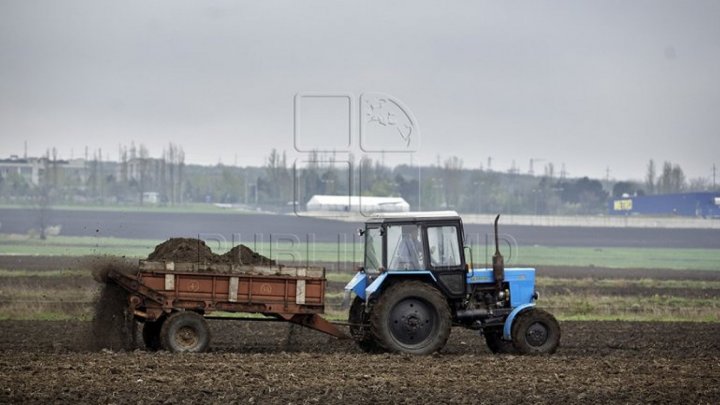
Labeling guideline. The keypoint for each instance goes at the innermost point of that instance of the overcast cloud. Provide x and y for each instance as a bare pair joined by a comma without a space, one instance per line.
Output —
591,84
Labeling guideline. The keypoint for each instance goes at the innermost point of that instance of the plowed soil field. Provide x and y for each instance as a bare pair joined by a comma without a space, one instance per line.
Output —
261,362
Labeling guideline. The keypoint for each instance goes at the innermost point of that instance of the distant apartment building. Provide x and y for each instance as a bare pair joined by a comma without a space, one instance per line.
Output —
33,170
135,168
30,169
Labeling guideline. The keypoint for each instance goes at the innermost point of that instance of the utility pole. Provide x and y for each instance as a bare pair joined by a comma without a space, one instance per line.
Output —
607,174
714,172
513,168
532,165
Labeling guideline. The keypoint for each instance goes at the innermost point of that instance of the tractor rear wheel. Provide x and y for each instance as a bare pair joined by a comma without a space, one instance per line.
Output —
151,334
411,317
495,342
185,331
536,332
360,332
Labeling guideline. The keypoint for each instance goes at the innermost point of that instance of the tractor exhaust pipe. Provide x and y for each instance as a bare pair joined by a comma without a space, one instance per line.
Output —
498,262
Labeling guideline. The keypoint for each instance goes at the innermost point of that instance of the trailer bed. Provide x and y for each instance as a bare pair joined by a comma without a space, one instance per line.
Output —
293,294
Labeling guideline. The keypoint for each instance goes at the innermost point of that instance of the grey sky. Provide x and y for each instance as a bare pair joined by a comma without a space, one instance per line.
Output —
590,84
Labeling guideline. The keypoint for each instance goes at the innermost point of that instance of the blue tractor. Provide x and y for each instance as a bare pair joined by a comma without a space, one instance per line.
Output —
416,284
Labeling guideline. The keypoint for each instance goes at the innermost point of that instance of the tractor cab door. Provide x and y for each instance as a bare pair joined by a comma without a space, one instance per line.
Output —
446,257
434,246
374,252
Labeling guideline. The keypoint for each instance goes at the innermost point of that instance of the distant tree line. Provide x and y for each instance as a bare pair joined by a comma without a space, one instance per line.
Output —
670,179
278,186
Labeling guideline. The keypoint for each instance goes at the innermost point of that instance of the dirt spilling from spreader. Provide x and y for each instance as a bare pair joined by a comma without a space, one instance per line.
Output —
115,329
112,328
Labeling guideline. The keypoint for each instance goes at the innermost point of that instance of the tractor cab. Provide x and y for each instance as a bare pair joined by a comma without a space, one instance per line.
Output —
420,243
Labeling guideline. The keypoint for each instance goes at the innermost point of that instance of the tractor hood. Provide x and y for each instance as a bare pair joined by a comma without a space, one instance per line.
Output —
520,280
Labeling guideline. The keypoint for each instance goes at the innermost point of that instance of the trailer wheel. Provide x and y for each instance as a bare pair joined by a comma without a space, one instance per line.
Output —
495,342
361,334
536,332
411,317
151,334
185,331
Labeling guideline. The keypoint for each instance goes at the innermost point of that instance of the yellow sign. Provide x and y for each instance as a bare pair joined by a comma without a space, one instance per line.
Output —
622,205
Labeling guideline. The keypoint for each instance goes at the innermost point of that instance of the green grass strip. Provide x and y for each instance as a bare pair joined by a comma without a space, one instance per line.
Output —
613,257
536,256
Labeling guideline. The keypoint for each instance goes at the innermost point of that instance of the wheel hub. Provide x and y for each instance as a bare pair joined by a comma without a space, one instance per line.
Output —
537,334
412,321
186,337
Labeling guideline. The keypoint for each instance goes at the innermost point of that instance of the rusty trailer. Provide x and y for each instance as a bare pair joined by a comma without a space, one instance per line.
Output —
174,299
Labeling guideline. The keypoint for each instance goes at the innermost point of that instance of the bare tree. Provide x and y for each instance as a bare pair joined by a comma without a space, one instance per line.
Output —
180,169
42,198
664,183
677,179
173,160
143,171
672,179
452,180
650,177
699,184
550,170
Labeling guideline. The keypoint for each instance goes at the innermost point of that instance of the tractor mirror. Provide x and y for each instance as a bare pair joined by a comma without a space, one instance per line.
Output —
360,232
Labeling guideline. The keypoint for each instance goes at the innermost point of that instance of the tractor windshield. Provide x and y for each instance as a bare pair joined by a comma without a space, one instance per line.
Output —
373,250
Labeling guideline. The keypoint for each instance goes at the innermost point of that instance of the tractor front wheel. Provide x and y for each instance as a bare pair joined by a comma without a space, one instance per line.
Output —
411,317
360,332
536,332
185,331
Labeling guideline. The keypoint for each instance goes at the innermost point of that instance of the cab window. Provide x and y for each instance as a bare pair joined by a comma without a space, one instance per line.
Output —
373,249
444,246
405,248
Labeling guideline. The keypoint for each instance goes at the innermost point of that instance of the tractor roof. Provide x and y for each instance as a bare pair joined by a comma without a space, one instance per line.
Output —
413,216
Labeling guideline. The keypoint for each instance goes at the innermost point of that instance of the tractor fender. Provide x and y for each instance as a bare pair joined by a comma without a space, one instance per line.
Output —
507,328
357,285
377,284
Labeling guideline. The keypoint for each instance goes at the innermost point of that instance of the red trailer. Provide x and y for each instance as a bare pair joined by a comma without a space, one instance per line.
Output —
174,299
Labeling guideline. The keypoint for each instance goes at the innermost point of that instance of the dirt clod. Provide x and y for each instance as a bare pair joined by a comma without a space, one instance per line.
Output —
196,251
183,250
242,254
